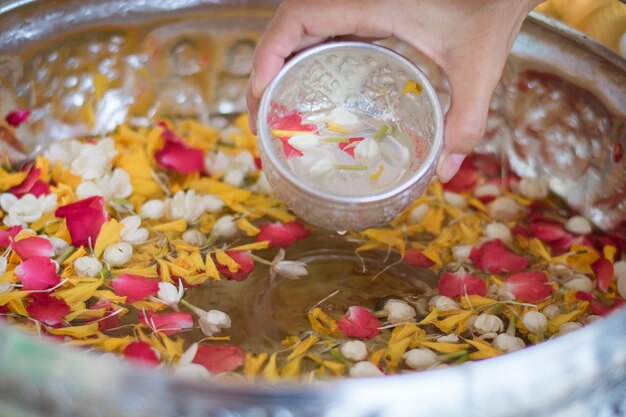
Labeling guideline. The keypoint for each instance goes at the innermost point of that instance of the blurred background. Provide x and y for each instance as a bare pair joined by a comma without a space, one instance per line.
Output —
604,20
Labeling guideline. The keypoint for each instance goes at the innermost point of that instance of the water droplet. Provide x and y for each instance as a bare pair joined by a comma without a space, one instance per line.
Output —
341,232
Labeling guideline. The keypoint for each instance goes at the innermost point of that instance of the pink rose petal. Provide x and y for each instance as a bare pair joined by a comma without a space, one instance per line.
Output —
84,220
177,155
31,184
529,287
220,358
47,309
167,323
282,235
134,287
141,353
548,231
7,236
245,262
17,116
359,322
454,284
37,273
33,246
416,257
493,256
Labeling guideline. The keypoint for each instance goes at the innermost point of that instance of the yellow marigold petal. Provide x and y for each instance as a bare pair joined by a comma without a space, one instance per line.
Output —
77,332
412,87
81,292
117,344
173,349
377,356
395,350
85,314
110,295
376,176
253,363
291,368
80,252
223,259
303,346
473,301
609,252
556,322
430,318
179,225
389,237
109,234
335,367
321,322
485,349
7,297
448,324
252,246
271,369
11,179
250,229
432,254
210,268
538,249
16,305
444,347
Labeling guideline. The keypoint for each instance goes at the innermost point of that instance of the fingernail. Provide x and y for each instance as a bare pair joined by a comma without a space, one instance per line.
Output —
449,166
251,124
256,89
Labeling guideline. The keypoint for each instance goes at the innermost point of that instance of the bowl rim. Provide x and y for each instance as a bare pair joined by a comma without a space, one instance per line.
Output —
264,139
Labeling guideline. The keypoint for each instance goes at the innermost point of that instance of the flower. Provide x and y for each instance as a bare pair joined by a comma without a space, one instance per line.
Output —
349,146
47,309
365,369
245,262
87,266
569,327
529,287
415,257
354,350
117,254
185,368
3,268
31,184
170,295
344,119
225,227
214,321
548,231
33,246
58,245
141,353
493,256
84,220
508,343
185,205
220,358
287,269
420,359
7,236
134,287
455,199
498,231
132,232
216,162
603,269
318,162
454,284
398,311
465,178
17,116
94,159
461,253
262,185
579,283
533,188
116,185
488,323
26,209
166,323
234,177
487,192
177,155
535,322
194,237
37,273
304,141
578,225
417,213
63,151
282,235
152,209
359,322
443,303
504,208
367,150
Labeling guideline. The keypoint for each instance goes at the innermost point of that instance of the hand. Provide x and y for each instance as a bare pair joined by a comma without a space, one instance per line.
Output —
469,39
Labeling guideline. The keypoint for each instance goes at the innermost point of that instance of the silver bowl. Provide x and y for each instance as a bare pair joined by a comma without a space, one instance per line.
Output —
190,58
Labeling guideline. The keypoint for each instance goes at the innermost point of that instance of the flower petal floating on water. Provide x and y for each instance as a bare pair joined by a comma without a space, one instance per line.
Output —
529,287
416,257
243,260
282,235
220,358
134,287
454,284
141,353
84,220
47,309
349,146
38,273
359,322
493,256
167,323
17,117
33,246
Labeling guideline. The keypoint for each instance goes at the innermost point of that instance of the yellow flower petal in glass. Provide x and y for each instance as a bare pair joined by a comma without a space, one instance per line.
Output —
291,368
254,363
271,369
303,346
412,87
321,322
223,259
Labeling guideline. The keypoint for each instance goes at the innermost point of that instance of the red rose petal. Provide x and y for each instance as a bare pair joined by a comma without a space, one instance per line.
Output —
282,235
465,179
134,287
454,284
584,296
529,287
548,231
109,320
293,122
84,219
33,246
220,358
416,257
180,158
40,188
167,323
245,262
47,309
7,236
493,256
31,181
37,273
348,147
602,309
359,322
289,150
17,116
141,353
603,268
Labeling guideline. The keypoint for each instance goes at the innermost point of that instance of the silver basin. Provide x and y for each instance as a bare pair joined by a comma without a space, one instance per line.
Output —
191,58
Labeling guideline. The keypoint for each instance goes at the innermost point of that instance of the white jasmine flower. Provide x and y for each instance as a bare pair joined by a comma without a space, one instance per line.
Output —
117,254
212,203
225,226
214,321
535,322
461,253
194,237
216,162
455,199
185,205
88,189
488,323
398,311
449,338
578,225
443,303
487,190
87,266
579,283
619,272
132,232
569,327
504,208
593,318
64,151
304,141
365,369
533,188
551,311
344,119
152,209
498,231
420,359
27,209
234,177
169,294
186,369
94,159
418,213
262,185
287,269
58,245
507,343
110,186
3,266
354,350
367,150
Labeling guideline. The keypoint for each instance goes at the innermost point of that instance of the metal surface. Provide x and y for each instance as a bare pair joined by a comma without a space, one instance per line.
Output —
179,57
359,76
